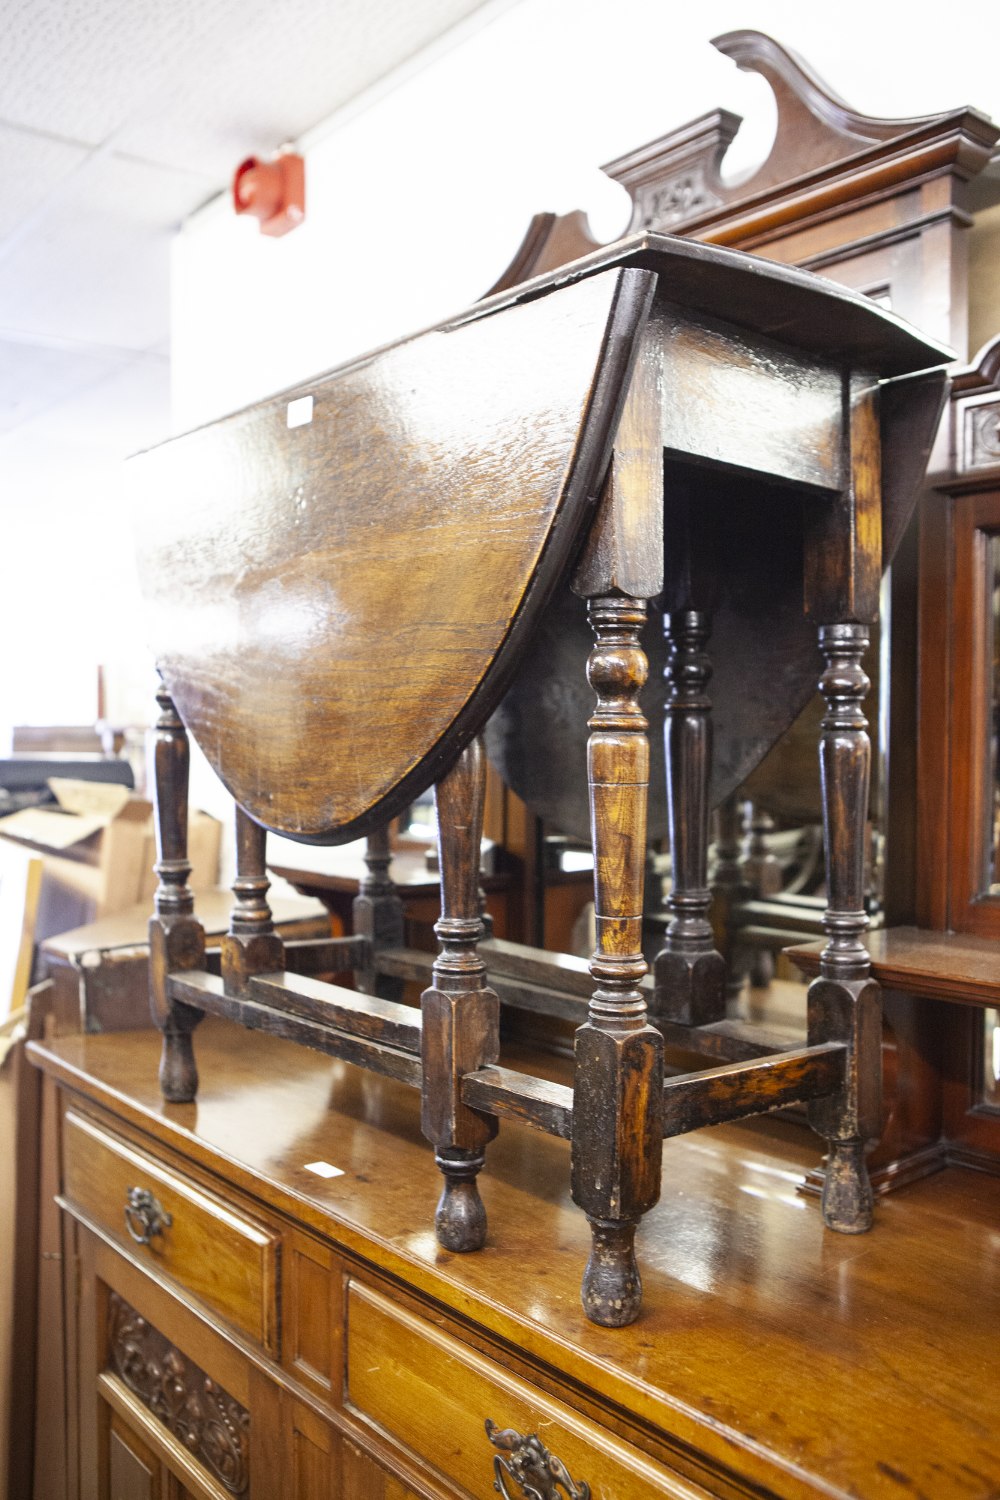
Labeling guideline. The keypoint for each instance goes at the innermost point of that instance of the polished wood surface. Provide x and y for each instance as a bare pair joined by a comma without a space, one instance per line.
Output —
329,576
223,1258
770,1358
446,414
954,966
936,985
958,670
672,360
878,205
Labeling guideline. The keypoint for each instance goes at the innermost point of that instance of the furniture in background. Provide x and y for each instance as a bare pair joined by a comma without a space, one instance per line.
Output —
884,207
97,983
942,991
563,894
943,1002
99,972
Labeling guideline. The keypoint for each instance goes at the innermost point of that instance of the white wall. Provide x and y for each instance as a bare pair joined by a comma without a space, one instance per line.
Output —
417,202
418,196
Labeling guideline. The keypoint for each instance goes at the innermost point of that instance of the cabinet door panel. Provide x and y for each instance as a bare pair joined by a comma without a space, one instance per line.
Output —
312,1455
364,1479
134,1471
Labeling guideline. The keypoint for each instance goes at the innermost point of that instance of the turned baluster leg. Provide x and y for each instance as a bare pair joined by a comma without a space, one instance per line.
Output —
461,1015
251,945
844,1002
378,915
690,975
176,938
617,1131
728,886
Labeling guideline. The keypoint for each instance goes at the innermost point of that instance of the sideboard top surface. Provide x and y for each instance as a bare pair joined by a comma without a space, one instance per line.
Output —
780,1352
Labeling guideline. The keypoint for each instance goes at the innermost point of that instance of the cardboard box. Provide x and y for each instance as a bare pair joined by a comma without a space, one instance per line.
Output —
100,973
99,849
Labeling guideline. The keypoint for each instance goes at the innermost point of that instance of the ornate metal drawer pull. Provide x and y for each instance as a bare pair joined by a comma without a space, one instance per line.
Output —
538,1474
144,1218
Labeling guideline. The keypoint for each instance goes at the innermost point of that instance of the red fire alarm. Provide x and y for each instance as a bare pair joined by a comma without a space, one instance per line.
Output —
273,191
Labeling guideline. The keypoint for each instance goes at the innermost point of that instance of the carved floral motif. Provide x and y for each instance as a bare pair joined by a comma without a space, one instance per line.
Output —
678,199
213,1427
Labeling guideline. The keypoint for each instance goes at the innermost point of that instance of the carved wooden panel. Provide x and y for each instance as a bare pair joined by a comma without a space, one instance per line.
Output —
213,1427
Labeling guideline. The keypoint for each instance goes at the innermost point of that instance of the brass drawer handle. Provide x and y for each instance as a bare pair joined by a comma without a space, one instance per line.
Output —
144,1218
537,1473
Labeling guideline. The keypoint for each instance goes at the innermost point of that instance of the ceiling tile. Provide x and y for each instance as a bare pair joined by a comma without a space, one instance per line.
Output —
78,68
33,166
202,83
258,74
128,408
34,378
95,267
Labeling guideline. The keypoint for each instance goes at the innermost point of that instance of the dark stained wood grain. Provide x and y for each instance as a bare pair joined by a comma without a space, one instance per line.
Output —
564,971
955,966
544,995
615,1152
690,975
377,914
934,748
269,606
297,646
460,1013
176,938
681,385
205,993
316,1000
731,1041
520,1096
738,1089
624,548
844,1003
971,728
843,545
315,956
761,490
251,945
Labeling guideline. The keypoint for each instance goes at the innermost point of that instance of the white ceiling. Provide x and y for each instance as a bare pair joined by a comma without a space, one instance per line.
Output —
118,118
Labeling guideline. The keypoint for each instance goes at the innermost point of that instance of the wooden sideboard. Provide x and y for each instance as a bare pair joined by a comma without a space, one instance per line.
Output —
292,1336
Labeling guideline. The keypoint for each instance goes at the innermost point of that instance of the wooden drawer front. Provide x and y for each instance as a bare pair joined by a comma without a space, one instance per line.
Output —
221,1257
435,1395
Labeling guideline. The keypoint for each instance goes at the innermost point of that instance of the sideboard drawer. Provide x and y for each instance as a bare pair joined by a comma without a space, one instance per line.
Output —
216,1252
438,1398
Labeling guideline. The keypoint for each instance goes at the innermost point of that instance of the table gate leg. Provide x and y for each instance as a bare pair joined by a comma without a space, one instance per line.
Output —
617,1133
377,914
690,974
461,1015
176,937
844,1001
251,946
